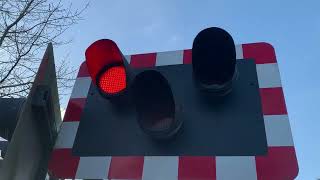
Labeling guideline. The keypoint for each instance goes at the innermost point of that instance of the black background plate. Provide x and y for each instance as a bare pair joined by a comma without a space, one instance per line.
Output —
228,126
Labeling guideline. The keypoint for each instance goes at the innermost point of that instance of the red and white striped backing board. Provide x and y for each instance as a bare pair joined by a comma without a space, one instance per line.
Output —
279,164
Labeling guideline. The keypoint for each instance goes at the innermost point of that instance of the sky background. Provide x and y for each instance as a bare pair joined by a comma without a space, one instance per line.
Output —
292,27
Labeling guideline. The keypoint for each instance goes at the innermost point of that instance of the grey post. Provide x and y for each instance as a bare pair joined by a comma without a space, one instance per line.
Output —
29,151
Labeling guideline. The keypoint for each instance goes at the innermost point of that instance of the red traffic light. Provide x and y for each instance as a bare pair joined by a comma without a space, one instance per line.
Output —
106,66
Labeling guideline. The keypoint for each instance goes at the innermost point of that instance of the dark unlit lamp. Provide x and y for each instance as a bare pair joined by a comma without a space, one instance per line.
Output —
155,105
214,60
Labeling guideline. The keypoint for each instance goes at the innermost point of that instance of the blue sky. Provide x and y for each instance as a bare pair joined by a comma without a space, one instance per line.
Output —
292,27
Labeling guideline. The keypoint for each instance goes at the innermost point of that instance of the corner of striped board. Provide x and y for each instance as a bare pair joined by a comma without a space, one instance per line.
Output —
280,162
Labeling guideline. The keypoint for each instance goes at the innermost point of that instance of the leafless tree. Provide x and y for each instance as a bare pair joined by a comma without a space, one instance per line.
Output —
26,27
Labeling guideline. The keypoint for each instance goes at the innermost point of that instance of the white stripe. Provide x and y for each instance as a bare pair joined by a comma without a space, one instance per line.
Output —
160,167
81,87
239,52
93,167
169,58
278,130
268,75
236,167
128,58
67,135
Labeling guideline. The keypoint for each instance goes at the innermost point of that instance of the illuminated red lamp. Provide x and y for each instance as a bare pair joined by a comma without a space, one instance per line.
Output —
113,80
106,67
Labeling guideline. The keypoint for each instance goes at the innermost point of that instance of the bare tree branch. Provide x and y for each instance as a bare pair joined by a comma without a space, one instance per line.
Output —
15,85
21,15
26,27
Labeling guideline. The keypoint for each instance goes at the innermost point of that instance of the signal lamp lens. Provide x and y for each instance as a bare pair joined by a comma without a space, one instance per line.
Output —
214,59
155,105
113,80
100,54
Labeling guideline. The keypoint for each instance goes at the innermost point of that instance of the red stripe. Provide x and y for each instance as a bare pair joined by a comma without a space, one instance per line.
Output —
62,164
83,71
187,56
197,167
261,52
129,167
280,163
74,109
273,102
143,60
